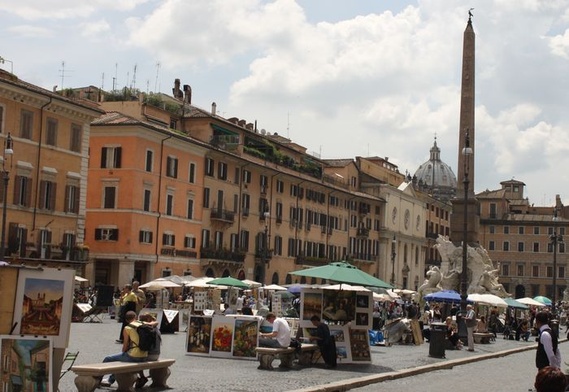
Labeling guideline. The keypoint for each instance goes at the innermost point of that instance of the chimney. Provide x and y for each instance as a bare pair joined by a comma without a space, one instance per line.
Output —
187,94
213,108
176,92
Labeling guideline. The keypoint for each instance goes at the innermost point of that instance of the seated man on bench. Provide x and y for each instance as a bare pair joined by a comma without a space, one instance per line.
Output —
130,351
280,337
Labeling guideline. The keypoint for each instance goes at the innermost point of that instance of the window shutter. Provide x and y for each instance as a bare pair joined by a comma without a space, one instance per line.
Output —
67,194
28,191
115,234
104,157
52,196
150,237
98,234
140,236
77,196
17,190
43,185
164,239
118,153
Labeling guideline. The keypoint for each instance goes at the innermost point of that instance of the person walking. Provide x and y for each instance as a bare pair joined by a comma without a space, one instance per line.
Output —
547,353
471,322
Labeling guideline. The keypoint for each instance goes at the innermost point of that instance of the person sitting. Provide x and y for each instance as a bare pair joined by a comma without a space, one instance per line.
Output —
130,350
523,331
154,353
481,326
550,379
279,337
452,334
326,342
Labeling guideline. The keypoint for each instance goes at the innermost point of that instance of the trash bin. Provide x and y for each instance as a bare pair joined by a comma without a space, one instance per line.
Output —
438,340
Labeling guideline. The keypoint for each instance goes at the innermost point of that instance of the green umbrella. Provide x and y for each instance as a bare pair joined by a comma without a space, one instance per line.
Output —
229,281
342,272
515,304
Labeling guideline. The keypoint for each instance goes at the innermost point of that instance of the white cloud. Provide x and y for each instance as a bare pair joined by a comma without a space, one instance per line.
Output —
29,31
95,29
64,9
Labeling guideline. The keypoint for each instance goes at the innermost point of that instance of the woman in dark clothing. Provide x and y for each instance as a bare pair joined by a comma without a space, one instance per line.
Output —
325,341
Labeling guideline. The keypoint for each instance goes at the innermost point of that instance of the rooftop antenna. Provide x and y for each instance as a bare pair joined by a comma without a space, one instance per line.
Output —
116,78
288,125
134,77
156,80
103,81
63,72
147,85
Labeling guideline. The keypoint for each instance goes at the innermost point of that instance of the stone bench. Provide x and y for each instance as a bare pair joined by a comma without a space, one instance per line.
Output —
483,337
89,376
267,355
307,351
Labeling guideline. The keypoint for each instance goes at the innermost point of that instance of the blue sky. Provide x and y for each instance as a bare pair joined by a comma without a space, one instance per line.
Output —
342,78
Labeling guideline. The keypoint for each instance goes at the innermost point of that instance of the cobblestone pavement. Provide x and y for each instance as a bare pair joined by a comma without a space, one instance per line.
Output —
194,373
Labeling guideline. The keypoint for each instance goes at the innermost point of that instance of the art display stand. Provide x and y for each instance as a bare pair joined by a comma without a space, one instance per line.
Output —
27,295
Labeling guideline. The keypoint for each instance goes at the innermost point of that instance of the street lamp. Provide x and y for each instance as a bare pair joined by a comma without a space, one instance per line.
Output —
393,245
265,250
555,239
466,152
8,151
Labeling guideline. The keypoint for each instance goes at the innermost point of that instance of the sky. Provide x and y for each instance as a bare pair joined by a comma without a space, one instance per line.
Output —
342,78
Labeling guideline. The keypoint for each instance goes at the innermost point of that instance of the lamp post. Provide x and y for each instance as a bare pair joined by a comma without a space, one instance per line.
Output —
466,152
265,250
555,239
8,151
393,244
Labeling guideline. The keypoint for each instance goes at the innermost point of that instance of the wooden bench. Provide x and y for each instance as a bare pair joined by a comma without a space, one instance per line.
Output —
483,337
267,355
89,376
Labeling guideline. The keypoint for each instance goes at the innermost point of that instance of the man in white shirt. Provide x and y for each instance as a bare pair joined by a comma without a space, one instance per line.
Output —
470,320
547,353
279,337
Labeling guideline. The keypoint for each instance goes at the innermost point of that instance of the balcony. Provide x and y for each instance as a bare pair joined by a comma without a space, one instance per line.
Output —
222,216
310,260
190,254
222,254
363,232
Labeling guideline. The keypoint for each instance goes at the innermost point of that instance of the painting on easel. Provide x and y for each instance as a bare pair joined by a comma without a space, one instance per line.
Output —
44,304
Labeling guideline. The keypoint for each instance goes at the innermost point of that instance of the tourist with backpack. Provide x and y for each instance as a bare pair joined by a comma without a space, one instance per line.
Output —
148,321
131,352
547,353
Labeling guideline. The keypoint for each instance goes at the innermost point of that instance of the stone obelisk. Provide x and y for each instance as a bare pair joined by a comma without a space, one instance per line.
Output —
466,151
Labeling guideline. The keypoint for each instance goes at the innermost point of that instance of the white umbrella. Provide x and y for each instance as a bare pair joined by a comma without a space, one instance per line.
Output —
529,301
181,280
392,294
159,284
382,297
275,287
202,282
487,299
252,283
344,287
404,291
80,279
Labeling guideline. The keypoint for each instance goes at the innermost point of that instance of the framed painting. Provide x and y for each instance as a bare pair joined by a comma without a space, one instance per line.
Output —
222,336
245,337
359,345
44,303
363,320
198,339
311,304
339,305
26,363
363,300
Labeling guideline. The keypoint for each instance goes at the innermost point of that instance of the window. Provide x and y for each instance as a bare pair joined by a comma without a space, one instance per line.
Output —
209,167
244,240
520,246
206,197
72,199
520,270
536,230
245,204
205,238
22,191
492,229
51,133
280,186
169,205
549,271
222,171
106,234
189,242
168,239
246,176
147,199
506,246
149,161
521,230
76,136
279,212
47,195
145,236
237,175
26,124
506,229
491,245
192,173
109,196
172,167
111,157
535,271
561,273
505,269
536,247
190,212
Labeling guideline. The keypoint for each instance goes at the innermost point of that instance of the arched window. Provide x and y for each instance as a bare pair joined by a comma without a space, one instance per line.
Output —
288,279
275,278
209,273
225,273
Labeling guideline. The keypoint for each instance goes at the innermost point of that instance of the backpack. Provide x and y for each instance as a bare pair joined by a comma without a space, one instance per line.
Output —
146,336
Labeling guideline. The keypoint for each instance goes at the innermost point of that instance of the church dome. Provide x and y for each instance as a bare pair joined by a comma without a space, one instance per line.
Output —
436,177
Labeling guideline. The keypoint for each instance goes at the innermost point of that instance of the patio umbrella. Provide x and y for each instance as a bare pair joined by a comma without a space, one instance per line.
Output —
542,299
382,297
159,284
297,288
487,299
275,287
229,281
252,284
446,296
181,280
515,304
344,287
529,301
285,294
80,279
343,272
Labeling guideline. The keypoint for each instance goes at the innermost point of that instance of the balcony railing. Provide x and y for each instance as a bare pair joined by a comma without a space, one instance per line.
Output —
222,254
310,260
222,215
